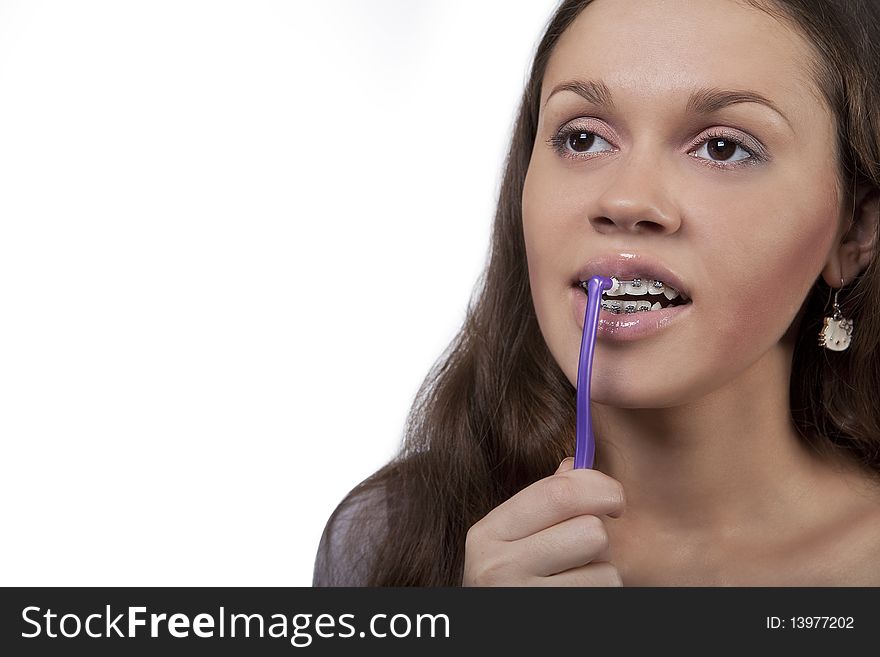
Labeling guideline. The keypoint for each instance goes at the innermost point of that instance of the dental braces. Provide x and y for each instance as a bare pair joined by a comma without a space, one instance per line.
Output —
618,306
635,282
630,308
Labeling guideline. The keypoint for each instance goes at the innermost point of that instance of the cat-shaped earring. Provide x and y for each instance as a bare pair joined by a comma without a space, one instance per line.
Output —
836,333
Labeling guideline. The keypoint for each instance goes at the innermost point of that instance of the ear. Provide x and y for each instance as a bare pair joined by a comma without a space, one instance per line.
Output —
857,245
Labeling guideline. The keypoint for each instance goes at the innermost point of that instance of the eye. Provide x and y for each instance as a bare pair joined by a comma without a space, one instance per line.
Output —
721,147
574,142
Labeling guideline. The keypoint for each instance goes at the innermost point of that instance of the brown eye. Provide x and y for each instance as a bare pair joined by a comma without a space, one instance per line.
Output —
581,141
576,142
721,149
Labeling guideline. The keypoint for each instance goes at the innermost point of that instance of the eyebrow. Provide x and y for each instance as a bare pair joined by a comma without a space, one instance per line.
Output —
701,101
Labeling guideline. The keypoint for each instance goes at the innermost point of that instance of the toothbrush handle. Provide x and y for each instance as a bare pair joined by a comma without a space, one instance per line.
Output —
585,445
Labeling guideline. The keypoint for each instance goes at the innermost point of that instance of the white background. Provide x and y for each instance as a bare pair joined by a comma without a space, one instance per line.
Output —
234,236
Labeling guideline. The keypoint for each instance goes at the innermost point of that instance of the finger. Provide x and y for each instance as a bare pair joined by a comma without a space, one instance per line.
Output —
569,544
553,499
566,465
602,573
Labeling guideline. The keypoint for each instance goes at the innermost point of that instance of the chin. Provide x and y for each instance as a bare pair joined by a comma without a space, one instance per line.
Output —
629,392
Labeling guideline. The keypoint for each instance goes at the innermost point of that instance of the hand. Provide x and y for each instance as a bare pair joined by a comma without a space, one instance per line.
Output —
548,534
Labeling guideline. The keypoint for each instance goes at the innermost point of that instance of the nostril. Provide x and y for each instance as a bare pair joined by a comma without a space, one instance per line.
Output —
648,227
603,222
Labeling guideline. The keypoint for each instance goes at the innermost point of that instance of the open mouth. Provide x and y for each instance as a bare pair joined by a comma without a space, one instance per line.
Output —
638,295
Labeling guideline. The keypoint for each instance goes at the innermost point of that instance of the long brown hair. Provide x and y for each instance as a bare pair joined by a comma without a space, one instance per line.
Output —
496,413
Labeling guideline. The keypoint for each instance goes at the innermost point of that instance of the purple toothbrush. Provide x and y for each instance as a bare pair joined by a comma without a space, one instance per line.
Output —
585,446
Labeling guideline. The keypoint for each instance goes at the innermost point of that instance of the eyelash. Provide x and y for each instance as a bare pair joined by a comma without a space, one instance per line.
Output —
558,143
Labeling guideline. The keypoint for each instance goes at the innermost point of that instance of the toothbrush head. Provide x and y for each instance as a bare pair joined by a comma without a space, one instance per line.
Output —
599,284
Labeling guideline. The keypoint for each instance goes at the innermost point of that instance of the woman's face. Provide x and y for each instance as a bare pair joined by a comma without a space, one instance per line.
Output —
747,227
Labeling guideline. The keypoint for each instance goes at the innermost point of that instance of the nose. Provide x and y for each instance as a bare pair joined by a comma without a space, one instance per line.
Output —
635,201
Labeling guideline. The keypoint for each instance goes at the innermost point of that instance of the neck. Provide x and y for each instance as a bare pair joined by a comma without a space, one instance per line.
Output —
724,461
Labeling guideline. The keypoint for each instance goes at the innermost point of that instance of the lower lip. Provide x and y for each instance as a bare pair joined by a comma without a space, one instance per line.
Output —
627,327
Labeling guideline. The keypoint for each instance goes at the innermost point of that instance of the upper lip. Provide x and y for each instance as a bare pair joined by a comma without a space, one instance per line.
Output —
629,265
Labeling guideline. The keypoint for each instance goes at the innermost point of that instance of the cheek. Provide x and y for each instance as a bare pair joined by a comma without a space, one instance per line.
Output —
544,233
767,273
543,213
554,242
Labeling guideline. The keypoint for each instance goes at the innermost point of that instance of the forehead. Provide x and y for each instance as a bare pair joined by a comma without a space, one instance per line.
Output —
661,49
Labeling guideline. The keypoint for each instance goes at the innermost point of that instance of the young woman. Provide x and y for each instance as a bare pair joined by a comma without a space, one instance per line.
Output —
730,151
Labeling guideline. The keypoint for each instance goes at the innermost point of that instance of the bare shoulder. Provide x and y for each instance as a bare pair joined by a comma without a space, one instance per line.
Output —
864,566
858,541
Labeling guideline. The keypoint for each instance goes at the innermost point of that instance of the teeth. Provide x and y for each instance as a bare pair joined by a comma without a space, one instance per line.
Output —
635,287
618,307
639,287
643,287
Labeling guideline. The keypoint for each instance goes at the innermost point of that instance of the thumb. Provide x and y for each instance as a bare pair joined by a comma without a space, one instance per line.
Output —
567,464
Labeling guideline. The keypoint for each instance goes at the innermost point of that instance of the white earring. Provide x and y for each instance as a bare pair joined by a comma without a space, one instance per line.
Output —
836,333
